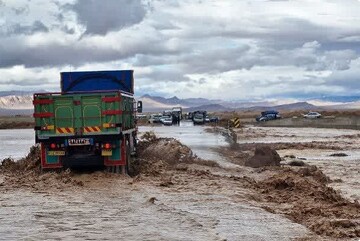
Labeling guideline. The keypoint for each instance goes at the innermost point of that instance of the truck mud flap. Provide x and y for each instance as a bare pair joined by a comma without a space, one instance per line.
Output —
118,157
49,161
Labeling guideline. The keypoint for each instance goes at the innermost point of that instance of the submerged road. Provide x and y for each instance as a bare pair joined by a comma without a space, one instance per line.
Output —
195,137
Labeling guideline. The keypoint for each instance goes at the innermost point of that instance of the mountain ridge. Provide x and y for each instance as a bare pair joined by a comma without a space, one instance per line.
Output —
22,103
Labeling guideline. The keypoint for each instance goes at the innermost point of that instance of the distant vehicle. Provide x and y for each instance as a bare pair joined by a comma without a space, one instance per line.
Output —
312,115
214,119
199,117
207,118
155,118
178,112
167,121
141,116
162,118
189,115
167,112
268,115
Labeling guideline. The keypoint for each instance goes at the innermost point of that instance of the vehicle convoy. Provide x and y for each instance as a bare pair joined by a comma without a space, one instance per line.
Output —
91,122
268,115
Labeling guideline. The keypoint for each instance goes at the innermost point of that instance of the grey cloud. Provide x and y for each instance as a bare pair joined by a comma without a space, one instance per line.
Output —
22,82
18,29
310,56
168,75
216,60
14,52
312,59
66,29
350,78
21,10
60,17
282,32
100,17
151,60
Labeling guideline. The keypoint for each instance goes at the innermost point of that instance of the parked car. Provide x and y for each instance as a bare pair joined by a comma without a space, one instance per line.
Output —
268,115
155,118
162,118
312,115
214,119
199,117
167,121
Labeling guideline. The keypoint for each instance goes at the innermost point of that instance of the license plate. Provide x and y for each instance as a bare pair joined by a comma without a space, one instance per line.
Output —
56,153
79,142
106,153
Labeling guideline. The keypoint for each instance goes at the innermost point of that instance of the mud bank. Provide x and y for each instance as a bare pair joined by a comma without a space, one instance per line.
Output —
304,197
16,125
27,173
301,193
305,194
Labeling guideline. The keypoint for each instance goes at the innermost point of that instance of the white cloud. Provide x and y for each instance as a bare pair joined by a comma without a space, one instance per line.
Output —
215,49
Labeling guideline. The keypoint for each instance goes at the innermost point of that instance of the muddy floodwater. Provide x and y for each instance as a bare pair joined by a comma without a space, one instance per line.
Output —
16,143
121,211
196,137
189,205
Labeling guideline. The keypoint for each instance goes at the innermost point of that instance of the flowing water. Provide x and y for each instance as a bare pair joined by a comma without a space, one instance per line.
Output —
16,143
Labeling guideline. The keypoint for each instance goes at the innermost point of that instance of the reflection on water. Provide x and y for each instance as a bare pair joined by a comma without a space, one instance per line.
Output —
16,143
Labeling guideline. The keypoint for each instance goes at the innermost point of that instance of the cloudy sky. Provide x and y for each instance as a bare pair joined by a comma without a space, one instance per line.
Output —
227,49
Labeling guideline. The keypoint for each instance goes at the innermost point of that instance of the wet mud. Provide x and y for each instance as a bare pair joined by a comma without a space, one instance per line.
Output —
299,189
304,197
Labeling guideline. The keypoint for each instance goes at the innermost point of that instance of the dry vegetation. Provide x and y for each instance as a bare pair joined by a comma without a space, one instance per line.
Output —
16,122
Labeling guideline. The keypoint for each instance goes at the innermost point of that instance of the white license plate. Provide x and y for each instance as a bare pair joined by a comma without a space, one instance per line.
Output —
79,142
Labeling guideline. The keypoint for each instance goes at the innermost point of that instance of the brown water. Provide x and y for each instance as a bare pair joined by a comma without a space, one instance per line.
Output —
194,208
121,210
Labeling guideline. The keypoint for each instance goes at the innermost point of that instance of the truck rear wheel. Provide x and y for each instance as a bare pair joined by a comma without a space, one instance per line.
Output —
129,158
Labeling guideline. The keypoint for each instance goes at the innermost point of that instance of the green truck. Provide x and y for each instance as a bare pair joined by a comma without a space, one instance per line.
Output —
90,123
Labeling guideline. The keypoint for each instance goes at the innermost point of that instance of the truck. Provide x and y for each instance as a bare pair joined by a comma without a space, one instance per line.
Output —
91,122
178,112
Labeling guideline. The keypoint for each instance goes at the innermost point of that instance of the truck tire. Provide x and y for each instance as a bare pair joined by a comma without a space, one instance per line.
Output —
127,158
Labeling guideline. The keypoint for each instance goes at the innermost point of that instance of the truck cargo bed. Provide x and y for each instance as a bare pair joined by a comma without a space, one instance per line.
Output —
82,114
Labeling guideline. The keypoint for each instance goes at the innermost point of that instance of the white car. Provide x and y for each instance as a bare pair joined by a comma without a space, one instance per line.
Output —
155,118
312,115
167,121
